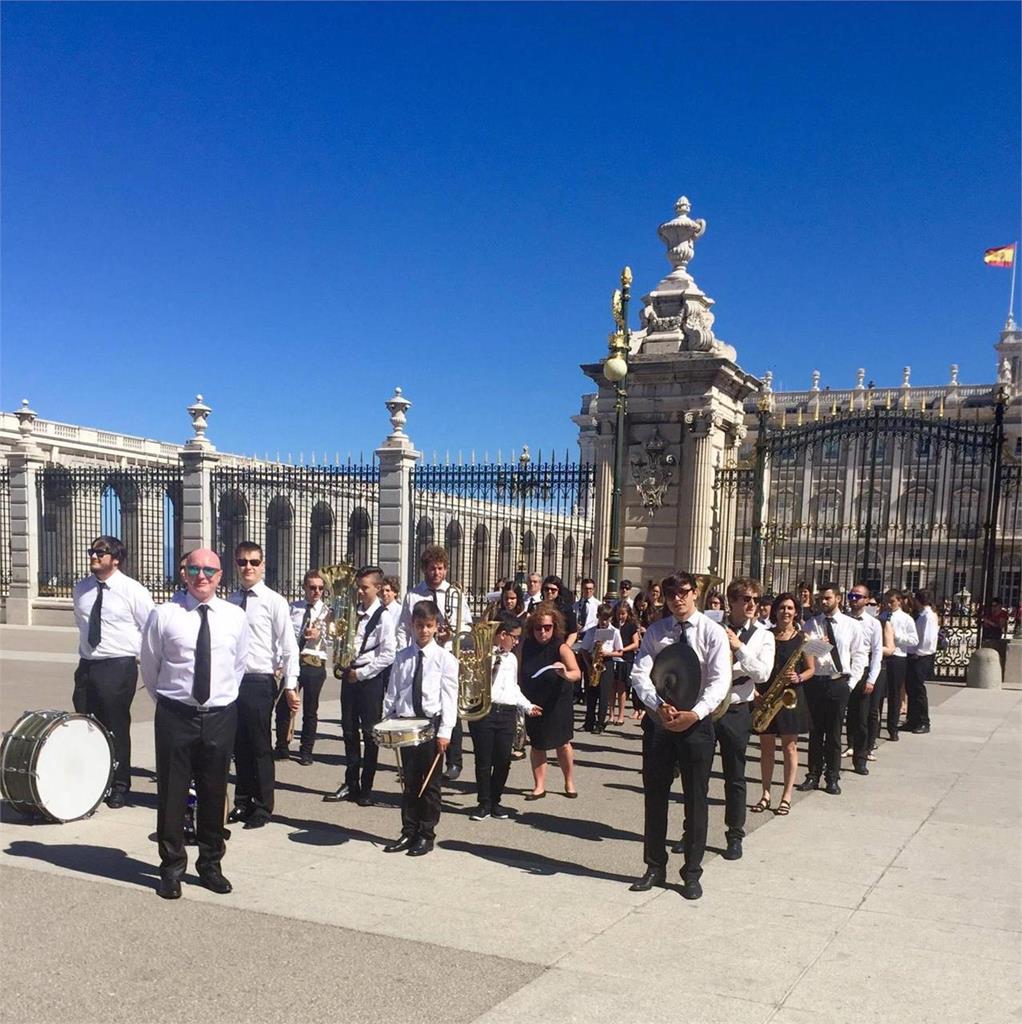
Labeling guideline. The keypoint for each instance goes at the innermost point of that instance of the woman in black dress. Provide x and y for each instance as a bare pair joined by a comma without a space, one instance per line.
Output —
787,723
547,674
628,627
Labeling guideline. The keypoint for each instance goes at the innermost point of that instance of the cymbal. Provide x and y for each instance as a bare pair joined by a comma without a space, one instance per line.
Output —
676,676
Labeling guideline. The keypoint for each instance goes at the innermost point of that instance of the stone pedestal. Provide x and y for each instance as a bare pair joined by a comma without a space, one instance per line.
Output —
397,457
23,467
198,459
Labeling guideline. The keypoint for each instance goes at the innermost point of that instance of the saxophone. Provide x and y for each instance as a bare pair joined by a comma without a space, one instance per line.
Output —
778,694
474,651
599,657
340,583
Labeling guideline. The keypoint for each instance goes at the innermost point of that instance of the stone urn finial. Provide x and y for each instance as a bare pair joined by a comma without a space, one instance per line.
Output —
860,379
397,406
199,413
954,376
816,381
679,235
26,418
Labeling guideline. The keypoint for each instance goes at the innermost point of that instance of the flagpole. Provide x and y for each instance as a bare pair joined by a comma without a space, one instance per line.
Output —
1011,301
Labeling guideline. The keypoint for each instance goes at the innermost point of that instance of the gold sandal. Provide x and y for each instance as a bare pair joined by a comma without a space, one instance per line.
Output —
763,805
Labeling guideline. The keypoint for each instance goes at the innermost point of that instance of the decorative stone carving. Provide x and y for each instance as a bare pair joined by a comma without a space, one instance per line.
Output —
199,413
397,405
26,417
653,471
679,235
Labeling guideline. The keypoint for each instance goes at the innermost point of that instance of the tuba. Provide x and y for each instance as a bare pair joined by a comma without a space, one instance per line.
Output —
474,651
343,592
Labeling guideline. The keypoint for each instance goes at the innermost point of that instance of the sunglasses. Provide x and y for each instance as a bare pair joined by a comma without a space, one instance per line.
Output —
684,592
543,626
745,598
209,571
856,597
99,552
312,586
242,562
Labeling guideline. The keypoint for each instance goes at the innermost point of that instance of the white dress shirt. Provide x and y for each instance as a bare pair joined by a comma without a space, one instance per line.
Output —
585,613
314,649
378,649
393,610
905,635
753,661
852,650
873,635
588,640
533,599
168,650
439,686
126,609
505,689
272,643
709,642
448,615
927,628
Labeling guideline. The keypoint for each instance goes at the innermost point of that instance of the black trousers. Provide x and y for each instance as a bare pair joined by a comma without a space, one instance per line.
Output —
310,684
598,697
919,669
191,745
876,698
732,734
420,815
896,669
453,756
857,721
661,751
828,700
492,739
253,752
105,688
361,709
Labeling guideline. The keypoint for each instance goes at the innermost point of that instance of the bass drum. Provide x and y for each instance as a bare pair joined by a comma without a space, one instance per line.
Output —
56,764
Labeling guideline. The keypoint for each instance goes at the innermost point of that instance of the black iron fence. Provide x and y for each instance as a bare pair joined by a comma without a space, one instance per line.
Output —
139,504
5,531
303,517
503,520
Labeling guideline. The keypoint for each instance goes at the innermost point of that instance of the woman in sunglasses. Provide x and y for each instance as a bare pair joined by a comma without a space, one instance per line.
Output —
547,674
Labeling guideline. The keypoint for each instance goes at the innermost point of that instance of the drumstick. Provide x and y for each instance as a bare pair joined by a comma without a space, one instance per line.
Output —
429,774
291,725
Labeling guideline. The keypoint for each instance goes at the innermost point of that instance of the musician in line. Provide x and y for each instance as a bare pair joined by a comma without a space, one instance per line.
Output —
110,611
788,722
363,684
309,618
860,701
534,592
828,691
752,650
587,607
390,598
493,735
628,626
906,639
675,736
436,587
272,648
194,653
606,639
920,665
423,684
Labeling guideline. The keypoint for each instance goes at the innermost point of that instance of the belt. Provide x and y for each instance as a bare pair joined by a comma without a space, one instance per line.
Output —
179,707
503,707
740,680
312,661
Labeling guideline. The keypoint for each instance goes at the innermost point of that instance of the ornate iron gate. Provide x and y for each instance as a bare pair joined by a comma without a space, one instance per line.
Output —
888,497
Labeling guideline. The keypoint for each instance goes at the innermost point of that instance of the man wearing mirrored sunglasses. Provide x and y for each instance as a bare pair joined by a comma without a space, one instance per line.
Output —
110,611
272,648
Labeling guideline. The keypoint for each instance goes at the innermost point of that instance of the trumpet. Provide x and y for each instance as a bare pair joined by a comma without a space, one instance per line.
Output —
340,583
778,694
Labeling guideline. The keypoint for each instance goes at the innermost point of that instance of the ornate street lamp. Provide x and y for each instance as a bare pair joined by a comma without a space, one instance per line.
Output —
615,369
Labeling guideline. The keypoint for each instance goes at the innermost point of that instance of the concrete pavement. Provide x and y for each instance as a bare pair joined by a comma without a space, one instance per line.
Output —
898,901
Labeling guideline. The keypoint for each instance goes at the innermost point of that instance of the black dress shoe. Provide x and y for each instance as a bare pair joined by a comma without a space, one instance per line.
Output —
238,814
344,793
734,850
420,847
921,730
679,846
893,737
305,760
169,889
860,769
365,800
451,775
691,889
479,813
116,799
653,876
256,821
833,788
811,783
399,845
281,754
213,879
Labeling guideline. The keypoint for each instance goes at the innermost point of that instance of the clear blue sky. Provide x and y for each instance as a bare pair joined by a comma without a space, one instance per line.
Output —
293,208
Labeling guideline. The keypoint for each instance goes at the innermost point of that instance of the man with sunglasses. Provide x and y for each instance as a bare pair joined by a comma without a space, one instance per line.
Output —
673,736
111,610
272,648
193,656
864,701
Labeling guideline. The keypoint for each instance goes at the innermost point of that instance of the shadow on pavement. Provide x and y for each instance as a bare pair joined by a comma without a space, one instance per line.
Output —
325,833
579,828
531,863
102,861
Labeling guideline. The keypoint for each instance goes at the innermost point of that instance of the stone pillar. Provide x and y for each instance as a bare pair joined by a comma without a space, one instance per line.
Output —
198,459
397,457
23,464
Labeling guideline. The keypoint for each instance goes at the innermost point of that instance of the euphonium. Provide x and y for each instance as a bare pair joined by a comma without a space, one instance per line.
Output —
341,586
777,695
475,668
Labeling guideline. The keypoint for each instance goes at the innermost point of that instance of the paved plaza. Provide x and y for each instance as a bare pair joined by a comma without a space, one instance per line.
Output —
898,901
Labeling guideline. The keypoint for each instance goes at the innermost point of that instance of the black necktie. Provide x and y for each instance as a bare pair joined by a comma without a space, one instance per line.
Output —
417,687
244,599
200,682
683,636
96,618
306,619
497,658
834,654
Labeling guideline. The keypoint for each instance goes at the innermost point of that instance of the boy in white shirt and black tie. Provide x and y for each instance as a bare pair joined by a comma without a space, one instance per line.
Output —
423,684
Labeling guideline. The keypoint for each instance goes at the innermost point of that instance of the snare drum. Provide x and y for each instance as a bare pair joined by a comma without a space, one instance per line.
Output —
403,732
56,764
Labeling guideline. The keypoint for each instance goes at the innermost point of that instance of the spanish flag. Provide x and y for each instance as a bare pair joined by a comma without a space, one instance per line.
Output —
1002,257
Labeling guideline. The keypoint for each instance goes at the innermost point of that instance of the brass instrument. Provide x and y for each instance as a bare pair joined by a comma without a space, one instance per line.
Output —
475,668
341,587
599,658
453,613
779,694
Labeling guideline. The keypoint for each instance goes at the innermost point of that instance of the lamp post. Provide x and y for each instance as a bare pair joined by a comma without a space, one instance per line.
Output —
523,490
615,370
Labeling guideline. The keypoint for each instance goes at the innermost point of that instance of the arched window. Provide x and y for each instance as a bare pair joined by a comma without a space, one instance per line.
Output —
359,529
965,512
915,509
171,533
321,536
568,566
231,529
550,555
452,542
481,560
529,551
120,517
423,538
279,548
505,550
586,569
60,544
